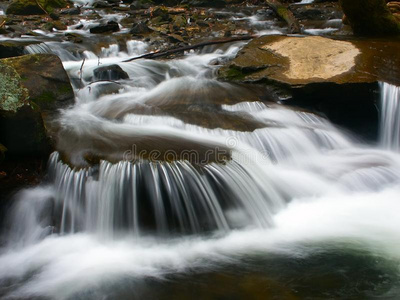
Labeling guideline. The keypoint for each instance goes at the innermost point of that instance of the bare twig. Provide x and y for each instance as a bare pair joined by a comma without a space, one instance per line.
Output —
81,70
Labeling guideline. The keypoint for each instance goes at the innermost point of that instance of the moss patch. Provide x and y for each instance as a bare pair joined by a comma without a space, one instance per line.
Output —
12,94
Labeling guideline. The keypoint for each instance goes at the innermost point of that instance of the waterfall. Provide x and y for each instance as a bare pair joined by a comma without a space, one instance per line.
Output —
390,116
116,212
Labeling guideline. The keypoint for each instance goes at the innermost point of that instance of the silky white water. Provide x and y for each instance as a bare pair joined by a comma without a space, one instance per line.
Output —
295,186
390,116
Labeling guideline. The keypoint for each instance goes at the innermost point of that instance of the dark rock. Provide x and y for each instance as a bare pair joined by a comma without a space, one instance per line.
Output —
71,11
207,3
111,26
140,28
101,4
31,7
10,49
140,4
317,12
54,16
110,72
370,17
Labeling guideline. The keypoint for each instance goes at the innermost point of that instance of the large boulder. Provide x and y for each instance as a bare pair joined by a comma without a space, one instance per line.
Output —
337,78
35,7
32,88
370,17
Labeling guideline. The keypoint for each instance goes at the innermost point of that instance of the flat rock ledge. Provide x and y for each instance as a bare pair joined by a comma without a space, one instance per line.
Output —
298,61
338,78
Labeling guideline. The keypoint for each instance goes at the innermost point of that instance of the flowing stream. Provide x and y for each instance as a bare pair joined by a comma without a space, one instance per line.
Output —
184,183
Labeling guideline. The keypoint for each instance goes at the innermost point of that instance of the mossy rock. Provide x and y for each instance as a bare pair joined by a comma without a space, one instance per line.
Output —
32,87
43,75
370,17
35,7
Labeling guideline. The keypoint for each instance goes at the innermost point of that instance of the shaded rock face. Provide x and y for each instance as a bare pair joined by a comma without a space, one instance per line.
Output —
370,17
32,7
10,50
336,78
140,28
32,87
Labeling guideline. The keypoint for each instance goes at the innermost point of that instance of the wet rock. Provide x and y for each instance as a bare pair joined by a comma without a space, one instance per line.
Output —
207,3
337,78
110,72
71,11
33,7
326,11
140,28
10,49
175,38
32,88
101,4
140,4
111,26
370,17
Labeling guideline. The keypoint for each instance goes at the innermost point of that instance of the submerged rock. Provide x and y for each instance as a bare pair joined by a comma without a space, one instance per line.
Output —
32,87
35,7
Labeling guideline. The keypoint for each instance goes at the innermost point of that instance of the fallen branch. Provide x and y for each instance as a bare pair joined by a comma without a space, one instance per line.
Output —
285,14
186,48
81,71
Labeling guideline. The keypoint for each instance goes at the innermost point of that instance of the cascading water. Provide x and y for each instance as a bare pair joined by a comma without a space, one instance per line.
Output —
390,116
247,184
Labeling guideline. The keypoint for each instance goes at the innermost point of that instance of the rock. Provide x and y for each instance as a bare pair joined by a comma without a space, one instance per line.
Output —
110,72
11,49
179,21
111,26
337,78
140,4
207,3
71,11
317,12
31,7
370,17
174,38
32,88
140,28
101,4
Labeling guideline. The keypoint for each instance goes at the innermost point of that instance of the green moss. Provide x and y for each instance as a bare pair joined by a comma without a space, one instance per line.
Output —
45,98
31,7
232,73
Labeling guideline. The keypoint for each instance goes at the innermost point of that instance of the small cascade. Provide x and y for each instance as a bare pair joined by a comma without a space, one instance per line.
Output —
161,198
390,116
